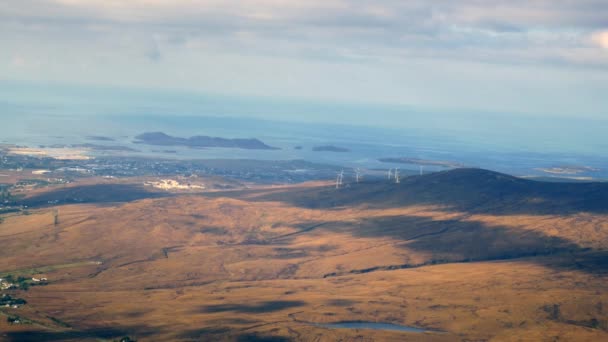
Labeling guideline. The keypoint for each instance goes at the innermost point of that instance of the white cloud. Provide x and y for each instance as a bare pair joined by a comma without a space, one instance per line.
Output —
237,46
600,39
488,31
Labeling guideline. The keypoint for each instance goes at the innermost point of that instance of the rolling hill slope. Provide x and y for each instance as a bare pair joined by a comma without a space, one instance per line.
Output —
474,254
474,190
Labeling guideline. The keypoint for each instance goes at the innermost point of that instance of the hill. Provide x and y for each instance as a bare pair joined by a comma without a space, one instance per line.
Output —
474,190
449,252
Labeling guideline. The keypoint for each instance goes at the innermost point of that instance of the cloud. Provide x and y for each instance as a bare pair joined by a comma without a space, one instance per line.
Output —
467,29
600,39
496,31
321,48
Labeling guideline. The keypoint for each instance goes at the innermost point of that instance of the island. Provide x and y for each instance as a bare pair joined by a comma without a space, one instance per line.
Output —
96,147
164,151
329,148
200,141
89,146
568,170
99,138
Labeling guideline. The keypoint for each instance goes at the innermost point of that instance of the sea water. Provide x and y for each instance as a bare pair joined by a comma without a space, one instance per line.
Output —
45,116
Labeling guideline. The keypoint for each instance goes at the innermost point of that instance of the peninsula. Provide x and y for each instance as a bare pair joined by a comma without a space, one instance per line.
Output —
162,139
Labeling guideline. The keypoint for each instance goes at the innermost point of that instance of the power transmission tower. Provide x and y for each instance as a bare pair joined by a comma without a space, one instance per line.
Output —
55,216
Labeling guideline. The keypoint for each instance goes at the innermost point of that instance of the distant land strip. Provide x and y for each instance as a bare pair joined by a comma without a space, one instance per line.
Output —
201,141
329,148
416,161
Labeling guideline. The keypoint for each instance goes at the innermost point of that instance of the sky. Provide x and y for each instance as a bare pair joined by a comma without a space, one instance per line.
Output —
541,58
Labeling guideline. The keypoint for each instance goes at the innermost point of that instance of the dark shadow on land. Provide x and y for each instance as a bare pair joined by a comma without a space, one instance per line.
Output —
261,338
469,190
204,334
263,307
467,241
227,334
97,193
76,335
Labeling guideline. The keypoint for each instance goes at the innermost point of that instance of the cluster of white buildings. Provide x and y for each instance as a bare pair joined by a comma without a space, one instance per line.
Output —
171,184
5,285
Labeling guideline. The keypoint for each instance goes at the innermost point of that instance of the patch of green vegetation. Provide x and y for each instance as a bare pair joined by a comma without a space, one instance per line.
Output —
10,300
21,282
45,269
14,319
24,283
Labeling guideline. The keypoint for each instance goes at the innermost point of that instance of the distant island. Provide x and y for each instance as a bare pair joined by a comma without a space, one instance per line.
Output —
96,147
416,161
89,146
568,170
164,151
162,139
99,138
330,148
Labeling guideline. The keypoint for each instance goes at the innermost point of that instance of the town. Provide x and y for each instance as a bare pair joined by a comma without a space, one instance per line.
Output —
259,171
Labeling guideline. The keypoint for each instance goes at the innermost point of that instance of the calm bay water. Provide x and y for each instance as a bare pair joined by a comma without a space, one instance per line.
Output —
518,146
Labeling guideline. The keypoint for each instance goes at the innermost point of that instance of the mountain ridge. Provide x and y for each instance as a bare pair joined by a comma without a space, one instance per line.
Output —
467,189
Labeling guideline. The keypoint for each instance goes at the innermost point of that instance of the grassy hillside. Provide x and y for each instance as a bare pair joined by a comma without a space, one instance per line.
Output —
467,254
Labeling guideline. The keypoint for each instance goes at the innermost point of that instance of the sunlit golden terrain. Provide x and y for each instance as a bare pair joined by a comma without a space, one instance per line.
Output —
273,263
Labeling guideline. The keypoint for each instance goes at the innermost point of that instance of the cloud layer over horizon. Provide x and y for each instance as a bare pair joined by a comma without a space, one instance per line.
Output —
537,56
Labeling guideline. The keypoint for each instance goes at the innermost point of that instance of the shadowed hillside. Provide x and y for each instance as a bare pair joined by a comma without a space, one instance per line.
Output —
472,190
95,193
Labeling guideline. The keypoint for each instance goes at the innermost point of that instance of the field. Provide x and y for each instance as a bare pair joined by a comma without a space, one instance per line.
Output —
509,260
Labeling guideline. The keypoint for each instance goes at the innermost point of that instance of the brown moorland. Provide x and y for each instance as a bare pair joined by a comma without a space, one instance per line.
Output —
465,254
